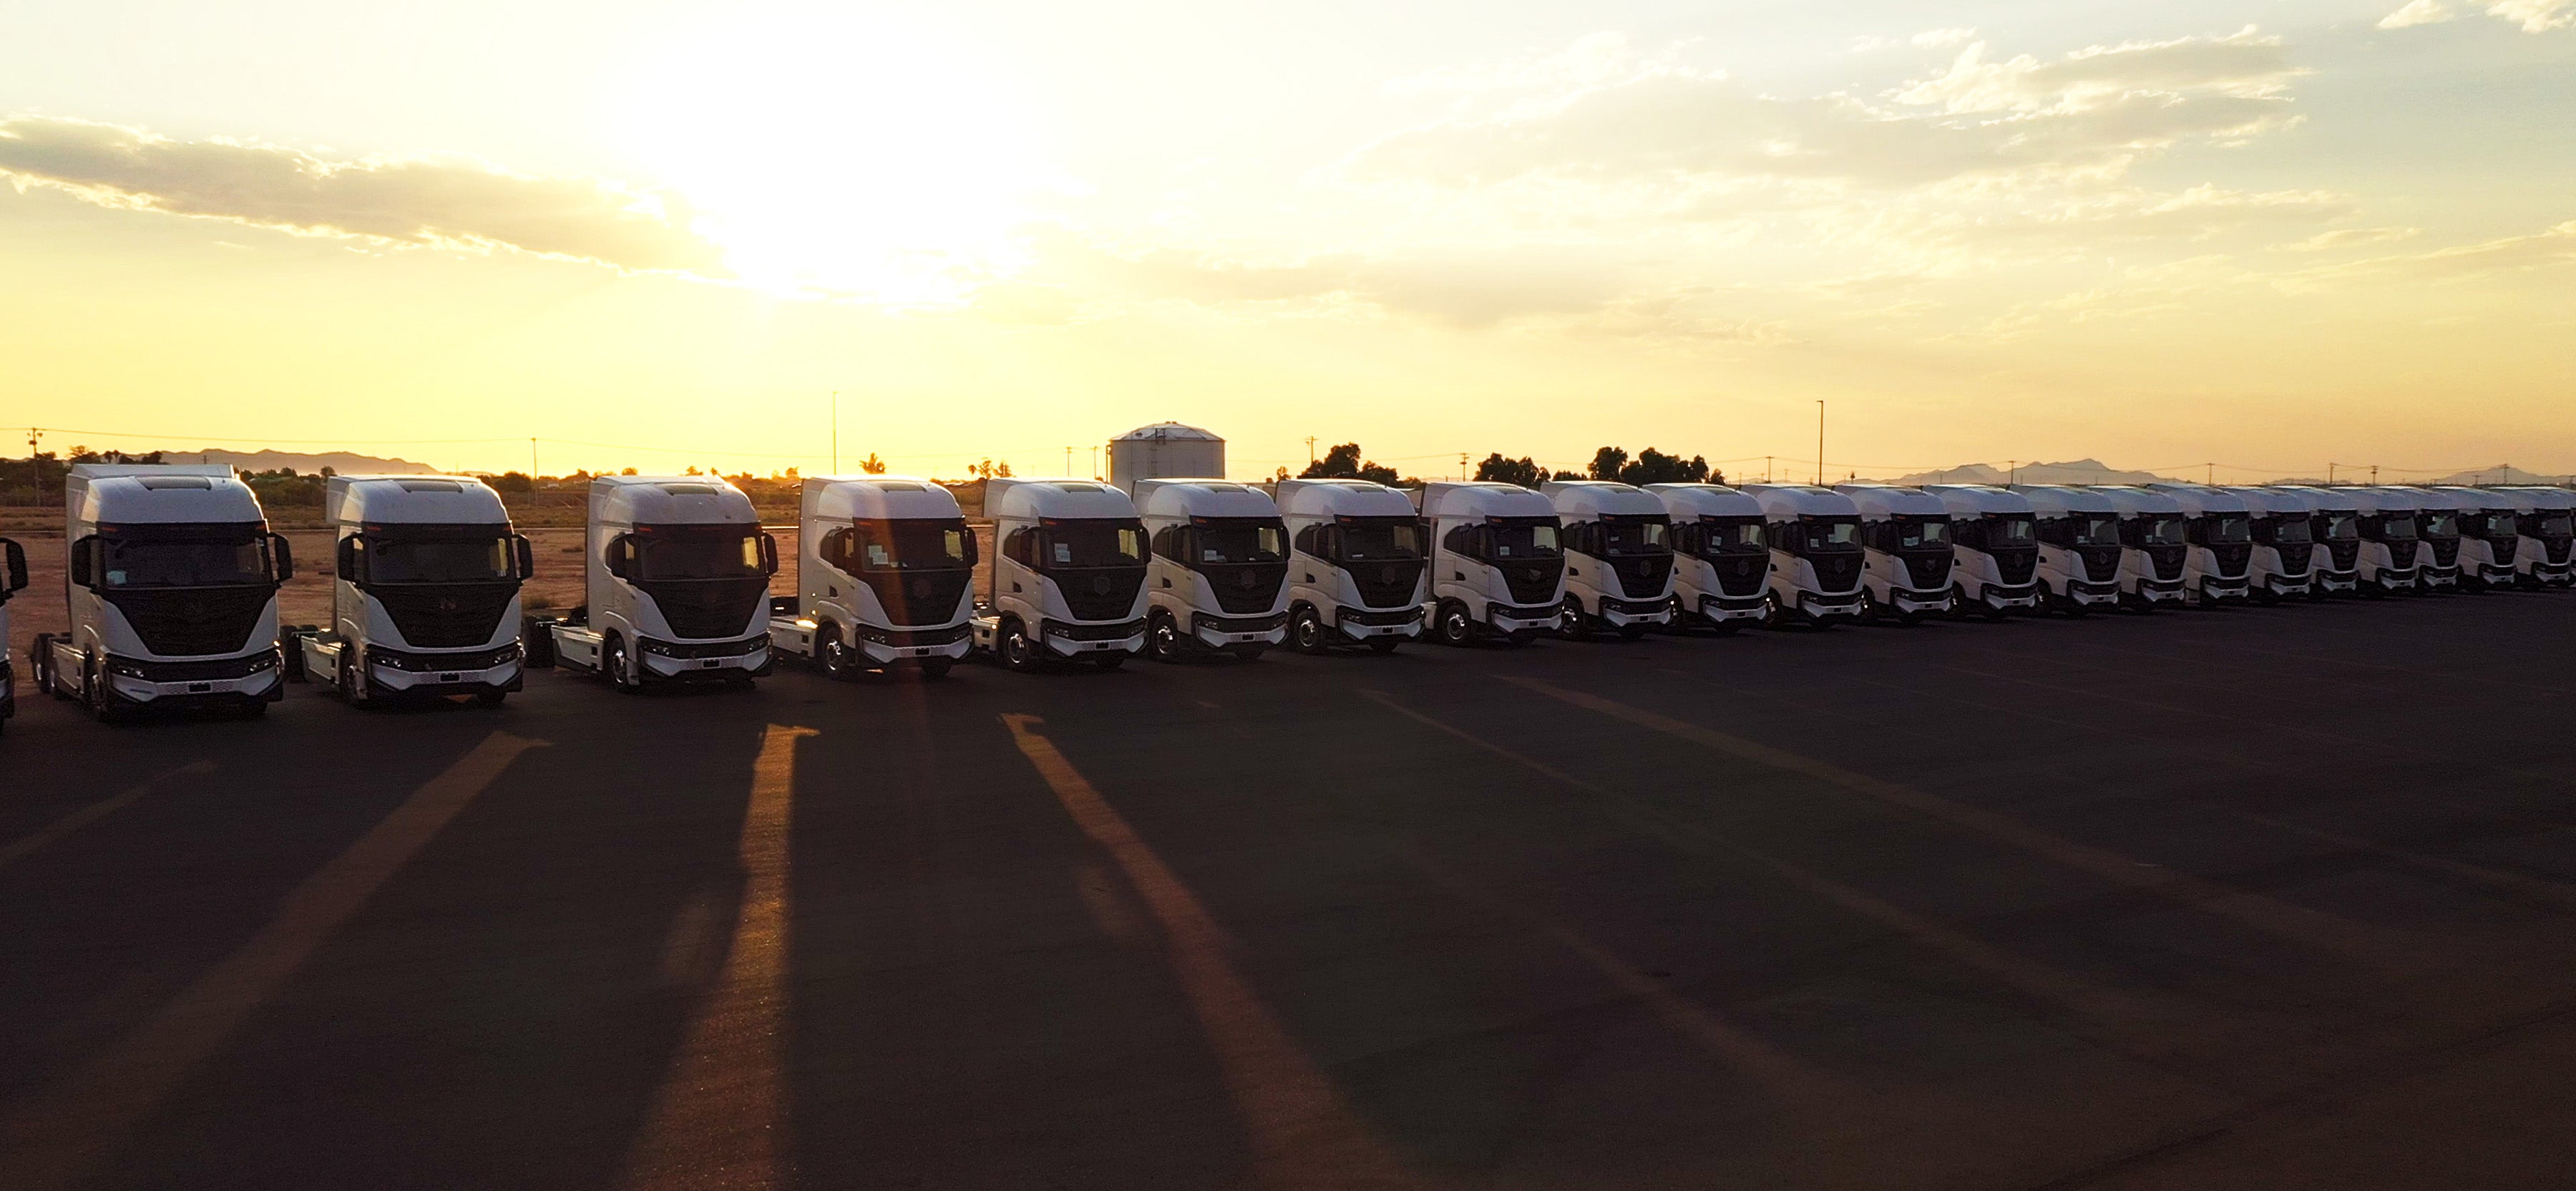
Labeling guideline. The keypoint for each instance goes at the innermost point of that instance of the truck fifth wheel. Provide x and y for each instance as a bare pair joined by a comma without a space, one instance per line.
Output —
424,594
678,586
885,578
171,590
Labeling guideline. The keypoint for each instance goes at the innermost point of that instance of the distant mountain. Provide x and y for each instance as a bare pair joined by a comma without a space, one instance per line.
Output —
340,462
2080,471
2499,474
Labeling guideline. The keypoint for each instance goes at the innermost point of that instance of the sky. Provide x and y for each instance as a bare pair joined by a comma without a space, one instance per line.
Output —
2267,235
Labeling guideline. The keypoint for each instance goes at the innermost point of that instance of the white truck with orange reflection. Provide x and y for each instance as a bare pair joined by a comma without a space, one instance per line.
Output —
1355,565
678,587
885,578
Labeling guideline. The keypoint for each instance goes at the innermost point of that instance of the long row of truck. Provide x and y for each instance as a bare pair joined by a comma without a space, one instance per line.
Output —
173,572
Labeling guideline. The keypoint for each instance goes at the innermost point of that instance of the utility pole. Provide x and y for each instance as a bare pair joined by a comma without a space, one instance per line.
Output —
2012,471
1310,450
1462,465
35,471
1766,469
2374,474
1095,461
836,432
2209,474
532,458
1820,442
1068,461
2330,471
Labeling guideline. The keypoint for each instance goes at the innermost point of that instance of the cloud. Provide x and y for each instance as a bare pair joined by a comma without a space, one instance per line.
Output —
2535,16
443,202
1653,121
2416,12
2553,248
2350,237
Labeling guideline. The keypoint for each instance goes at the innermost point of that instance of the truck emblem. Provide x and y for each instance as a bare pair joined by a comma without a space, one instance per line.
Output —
921,589
1100,585
1243,579
448,604
1388,575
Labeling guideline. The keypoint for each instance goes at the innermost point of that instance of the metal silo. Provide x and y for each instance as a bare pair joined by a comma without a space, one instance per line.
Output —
1165,450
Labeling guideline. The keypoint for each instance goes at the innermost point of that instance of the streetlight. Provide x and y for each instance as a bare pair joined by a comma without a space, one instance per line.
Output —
1820,442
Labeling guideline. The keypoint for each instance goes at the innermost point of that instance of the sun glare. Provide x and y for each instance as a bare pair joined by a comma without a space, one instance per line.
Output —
835,153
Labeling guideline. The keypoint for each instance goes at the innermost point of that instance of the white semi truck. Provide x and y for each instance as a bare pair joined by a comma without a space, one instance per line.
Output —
14,582
677,586
1618,557
2222,543
171,589
885,578
1995,534
2283,562
2437,522
1905,543
1355,565
2079,547
2335,524
2155,546
1218,582
2391,558
1069,567
1816,560
424,595
2548,518
1497,563
1721,568
2490,537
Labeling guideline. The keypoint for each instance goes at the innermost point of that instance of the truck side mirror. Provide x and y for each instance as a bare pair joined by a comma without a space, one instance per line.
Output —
524,555
17,564
284,554
345,559
620,548
974,553
768,555
84,562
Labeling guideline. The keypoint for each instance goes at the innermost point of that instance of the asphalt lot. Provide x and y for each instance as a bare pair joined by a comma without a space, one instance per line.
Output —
2259,899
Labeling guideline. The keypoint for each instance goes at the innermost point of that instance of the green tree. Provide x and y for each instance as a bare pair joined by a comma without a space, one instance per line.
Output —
513,481
1523,471
1607,463
1344,463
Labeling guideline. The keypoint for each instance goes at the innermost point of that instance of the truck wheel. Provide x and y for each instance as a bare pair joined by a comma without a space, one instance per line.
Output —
1384,644
1571,621
40,665
105,705
612,663
1163,637
537,641
1774,616
1018,652
1451,625
936,667
352,688
1305,631
840,662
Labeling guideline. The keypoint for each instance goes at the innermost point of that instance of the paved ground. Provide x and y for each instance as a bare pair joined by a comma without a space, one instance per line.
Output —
2264,899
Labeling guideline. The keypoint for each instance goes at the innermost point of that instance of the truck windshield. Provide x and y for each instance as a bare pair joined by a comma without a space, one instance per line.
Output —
1624,536
226,561
2441,525
1824,533
2556,526
1730,535
1922,531
2096,531
2502,525
2010,530
2166,531
2229,528
1093,543
2290,531
1240,539
912,543
2341,527
701,552
1380,539
438,560
2398,527
1521,537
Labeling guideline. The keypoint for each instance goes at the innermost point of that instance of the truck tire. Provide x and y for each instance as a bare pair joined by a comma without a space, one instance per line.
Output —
1013,646
105,705
1306,630
612,663
1163,637
1451,625
1571,621
537,642
840,662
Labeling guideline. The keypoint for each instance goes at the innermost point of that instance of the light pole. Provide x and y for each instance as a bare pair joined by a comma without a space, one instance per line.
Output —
836,432
1820,442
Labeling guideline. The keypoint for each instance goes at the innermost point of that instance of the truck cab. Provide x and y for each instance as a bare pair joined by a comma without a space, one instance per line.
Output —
1355,565
171,589
2221,527
2391,558
677,583
1068,575
1905,550
1995,534
424,595
2335,524
1618,556
1721,568
1816,559
1497,561
2079,547
2437,521
11,584
1218,582
885,577
2155,545
2283,562
2548,520
2490,537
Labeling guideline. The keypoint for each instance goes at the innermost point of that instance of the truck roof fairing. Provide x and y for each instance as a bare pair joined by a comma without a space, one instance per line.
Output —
2062,500
1063,499
1586,500
413,499
2133,501
139,493
1980,500
2201,499
1341,498
1476,498
1693,501
2319,500
1878,502
2376,498
1784,501
1202,498
670,500
878,498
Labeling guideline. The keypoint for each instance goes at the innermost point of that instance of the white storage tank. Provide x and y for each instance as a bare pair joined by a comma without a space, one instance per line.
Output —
1165,450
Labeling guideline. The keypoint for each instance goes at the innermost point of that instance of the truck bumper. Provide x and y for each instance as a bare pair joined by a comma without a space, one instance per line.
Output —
1908,602
504,677
1356,625
1721,609
680,669
1075,641
1226,635
176,684
889,653
1826,607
